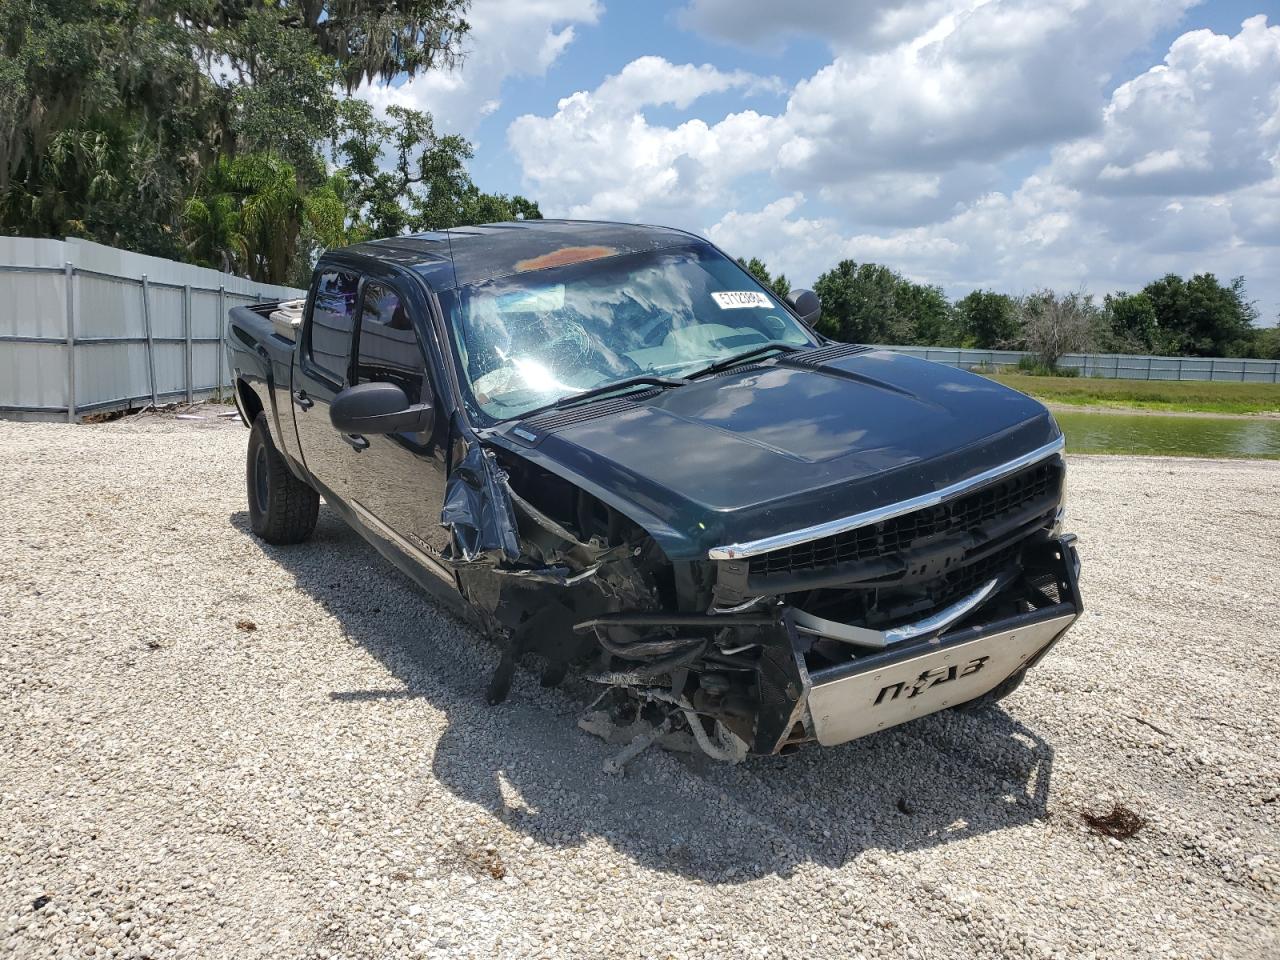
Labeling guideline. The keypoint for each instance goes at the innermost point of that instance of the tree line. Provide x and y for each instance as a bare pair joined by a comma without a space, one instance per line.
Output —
1173,316
217,132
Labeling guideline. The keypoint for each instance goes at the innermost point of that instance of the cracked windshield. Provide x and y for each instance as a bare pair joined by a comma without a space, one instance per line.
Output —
540,336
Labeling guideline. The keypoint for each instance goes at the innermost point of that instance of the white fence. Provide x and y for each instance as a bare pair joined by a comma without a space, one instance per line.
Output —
1118,366
86,328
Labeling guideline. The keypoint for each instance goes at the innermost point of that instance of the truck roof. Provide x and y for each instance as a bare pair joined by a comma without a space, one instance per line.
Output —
466,255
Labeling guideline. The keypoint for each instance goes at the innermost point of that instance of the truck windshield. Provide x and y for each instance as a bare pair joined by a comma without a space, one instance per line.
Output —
526,340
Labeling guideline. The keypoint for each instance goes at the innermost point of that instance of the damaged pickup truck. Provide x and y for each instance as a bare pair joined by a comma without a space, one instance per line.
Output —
620,454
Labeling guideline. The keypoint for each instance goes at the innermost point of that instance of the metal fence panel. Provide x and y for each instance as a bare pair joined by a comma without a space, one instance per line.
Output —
204,365
166,312
21,312
106,372
205,321
124,348
1111,365
116,306
38,381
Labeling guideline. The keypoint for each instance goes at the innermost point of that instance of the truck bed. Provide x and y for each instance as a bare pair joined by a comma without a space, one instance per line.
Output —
261,352
284,316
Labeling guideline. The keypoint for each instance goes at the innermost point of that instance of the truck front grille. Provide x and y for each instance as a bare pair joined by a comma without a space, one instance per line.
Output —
970,513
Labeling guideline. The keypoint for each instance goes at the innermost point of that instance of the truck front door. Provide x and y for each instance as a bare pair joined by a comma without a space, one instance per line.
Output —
321,371
398,480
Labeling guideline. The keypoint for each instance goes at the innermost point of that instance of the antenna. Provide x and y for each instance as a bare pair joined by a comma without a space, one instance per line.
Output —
452,266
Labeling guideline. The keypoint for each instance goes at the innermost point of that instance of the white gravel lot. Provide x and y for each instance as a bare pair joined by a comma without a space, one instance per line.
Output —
330,783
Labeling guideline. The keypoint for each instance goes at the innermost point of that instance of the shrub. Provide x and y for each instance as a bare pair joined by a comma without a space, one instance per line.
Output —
1035,367
1055,324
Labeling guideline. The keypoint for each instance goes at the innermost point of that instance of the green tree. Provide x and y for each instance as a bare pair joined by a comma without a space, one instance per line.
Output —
928,313
249,216
1201,317
101,122
870,303
987,320
196,127
1130,324
756,267
400,176
1267,343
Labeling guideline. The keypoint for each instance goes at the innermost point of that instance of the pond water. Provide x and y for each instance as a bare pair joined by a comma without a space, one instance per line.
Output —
1170,436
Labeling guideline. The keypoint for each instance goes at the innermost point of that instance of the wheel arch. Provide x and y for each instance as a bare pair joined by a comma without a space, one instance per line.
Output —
248,403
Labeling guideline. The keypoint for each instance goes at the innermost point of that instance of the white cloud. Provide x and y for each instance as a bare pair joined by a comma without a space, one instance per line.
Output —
985,80
848,24
896,135
653,81
508,38
598,155
1205,121
1182,176
791,243
899,152
898,198
992,241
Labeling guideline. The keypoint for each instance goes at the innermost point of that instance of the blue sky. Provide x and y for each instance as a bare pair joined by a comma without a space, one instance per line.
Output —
971,143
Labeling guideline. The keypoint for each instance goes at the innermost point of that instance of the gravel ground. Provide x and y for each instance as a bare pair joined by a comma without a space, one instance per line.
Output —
211,747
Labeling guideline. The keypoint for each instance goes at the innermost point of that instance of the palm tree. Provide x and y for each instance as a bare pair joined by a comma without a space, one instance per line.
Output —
246,216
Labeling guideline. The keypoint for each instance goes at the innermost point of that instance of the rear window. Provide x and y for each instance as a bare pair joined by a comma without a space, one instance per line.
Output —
332,320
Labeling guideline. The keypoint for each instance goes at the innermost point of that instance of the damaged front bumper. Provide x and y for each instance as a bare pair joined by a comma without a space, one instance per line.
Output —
887,689
826,682
812,649
912,671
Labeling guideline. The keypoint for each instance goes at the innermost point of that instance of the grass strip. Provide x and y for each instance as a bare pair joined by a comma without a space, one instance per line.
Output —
1194,396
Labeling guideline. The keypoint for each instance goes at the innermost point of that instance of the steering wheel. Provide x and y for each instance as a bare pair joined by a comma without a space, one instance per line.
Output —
777,327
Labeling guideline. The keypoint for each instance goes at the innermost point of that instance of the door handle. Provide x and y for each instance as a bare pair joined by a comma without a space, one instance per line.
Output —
302,400
356,441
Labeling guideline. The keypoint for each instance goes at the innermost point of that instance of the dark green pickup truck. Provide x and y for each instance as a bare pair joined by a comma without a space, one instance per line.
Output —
616,451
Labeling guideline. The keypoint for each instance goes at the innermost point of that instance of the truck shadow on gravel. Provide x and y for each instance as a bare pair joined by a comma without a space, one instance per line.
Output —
943,778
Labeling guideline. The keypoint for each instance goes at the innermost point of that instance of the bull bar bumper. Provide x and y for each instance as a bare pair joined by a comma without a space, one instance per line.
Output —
915,677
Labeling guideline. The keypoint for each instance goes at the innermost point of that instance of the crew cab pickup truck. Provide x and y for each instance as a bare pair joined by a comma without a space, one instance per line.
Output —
618,453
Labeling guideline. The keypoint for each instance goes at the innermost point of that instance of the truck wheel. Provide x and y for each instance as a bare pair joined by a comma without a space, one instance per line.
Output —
282,509
1006,687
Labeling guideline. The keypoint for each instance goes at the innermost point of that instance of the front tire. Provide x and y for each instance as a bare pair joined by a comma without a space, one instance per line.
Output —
282,509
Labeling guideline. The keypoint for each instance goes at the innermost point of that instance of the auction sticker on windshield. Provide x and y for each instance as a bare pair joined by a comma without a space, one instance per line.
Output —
733,299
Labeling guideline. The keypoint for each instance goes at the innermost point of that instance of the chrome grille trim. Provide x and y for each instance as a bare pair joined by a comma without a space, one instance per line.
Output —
740,551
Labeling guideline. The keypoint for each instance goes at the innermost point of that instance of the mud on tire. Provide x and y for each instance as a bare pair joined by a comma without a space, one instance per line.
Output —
282,509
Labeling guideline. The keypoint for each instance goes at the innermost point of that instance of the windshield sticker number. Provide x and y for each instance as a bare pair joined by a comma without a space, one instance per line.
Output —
736,299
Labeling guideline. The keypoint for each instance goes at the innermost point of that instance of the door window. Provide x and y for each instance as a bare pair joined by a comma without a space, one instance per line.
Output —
332,320
389,350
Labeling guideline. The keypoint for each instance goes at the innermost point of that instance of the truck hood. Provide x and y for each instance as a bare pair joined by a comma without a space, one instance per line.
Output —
782,445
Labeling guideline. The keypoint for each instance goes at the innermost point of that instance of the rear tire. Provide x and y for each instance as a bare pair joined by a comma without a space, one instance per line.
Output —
282,509
991,697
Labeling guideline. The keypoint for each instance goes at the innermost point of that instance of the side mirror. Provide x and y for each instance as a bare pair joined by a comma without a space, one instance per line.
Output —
806,304
379,408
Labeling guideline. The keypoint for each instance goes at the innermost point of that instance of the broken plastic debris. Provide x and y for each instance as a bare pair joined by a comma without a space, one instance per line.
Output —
477,508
